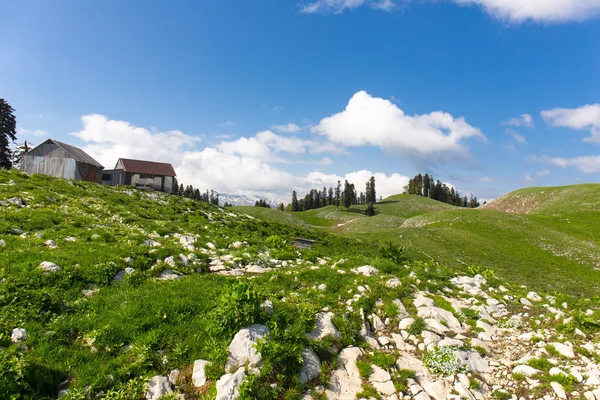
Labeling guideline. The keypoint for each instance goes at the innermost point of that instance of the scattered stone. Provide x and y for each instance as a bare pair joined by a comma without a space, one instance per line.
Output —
564,350
199,372
168,275
158,387
345,381
311,366
170,261
382,381
554,371
366,270
51,244
533,296
473,361
18,335
324,327
525,370
394,282
174,376
242,348
322,287
406,323
48,266
236,245
228,385
559,390
525,302
151,243
121,274
90,290
267,306
211,246
2,243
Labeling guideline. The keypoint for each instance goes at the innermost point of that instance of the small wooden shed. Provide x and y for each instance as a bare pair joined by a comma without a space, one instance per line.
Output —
303,243
141,174
62,160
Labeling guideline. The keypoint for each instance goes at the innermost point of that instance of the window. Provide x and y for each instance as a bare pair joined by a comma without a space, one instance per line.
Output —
106,177
146,176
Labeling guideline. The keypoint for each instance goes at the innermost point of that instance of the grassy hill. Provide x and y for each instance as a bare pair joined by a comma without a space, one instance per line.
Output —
143,284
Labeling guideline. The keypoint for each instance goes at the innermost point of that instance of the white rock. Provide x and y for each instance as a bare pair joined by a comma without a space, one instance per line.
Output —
533,296
473,361
236,245
229,384
440,314
376,323
151,243
557,371
211,246
18,335
267,306
559,390
345,381
168,275
121,274
158,387
50,244
325,327
322,287
257,269
436,326
311,366
174,376
170,261
393,282
48,266
564,350
382,381
438,390
366,270
593,378
408,361
525,302
199,372
242,348
406,323
2,243
525,370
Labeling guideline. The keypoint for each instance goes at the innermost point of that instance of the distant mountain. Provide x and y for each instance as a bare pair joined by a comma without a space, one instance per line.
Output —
244,200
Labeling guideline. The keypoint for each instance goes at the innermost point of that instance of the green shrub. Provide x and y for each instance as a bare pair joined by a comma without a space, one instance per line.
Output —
237,308
393,252
442,361
364,368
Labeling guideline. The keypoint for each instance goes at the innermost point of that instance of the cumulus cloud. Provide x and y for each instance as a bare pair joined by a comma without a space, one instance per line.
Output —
378,122
242,166
518,137
523,120
287,128
527,179
541,174
514,11
586,164
586,117
31,132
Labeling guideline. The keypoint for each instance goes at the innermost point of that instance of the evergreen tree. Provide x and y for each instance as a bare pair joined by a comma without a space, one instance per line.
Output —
19,153
295,201
280,207
426,185
338,194
371,194
197,194
330,196
8,133
181,190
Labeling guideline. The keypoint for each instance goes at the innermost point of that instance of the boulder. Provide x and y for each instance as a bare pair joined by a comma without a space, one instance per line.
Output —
345,381
525,370
406,323
533,296
228,385
564,350
199,372
121,274
151,243
158,387
311,366
559,390
473,361
440,314
322,287
18,335
393,282
2,243
324,327
168,275
51,244
48,266
382,381
366,270
267,306
242,348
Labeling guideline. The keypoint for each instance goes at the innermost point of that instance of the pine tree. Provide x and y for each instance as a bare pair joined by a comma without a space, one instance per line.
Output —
181,190
372,195
294,201
8,133
338,194
426,185
330,196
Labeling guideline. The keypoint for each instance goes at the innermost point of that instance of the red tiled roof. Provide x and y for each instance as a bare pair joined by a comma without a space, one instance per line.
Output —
147,167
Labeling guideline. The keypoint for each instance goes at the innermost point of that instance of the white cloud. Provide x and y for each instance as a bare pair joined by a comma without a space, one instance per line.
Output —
288,128
378,122
586,117
485,179
522,120
527,179
518,137
32,132
514,11
227,124
541,174
277,108
586,164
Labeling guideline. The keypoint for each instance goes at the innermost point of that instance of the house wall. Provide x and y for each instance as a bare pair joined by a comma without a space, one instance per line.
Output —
113,177
87,172
54,166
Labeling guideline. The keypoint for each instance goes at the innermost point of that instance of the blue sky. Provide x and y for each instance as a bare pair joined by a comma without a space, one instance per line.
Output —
265,96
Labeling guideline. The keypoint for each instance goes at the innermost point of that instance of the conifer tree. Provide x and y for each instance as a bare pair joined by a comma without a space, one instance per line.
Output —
294,201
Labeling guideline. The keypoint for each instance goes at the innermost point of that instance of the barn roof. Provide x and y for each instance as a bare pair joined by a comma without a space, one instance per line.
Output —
146,167
75,152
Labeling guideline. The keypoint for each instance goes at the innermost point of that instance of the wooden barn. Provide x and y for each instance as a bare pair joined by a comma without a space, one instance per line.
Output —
141,174
62,160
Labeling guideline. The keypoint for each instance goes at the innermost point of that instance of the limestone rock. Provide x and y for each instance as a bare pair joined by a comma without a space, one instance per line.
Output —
267,306
406,323
311,366
158,387
533,296
322,287
324,327
121,274
242,348
199,372
559,390
366,270
382,381
18,335
151,243
440,314
168,275
2,243
48,266
51,244
345,381
564,350
525,370
393,282
228,385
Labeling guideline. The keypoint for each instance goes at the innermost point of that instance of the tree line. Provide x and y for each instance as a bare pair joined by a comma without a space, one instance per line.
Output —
347,197
427,186
190,192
